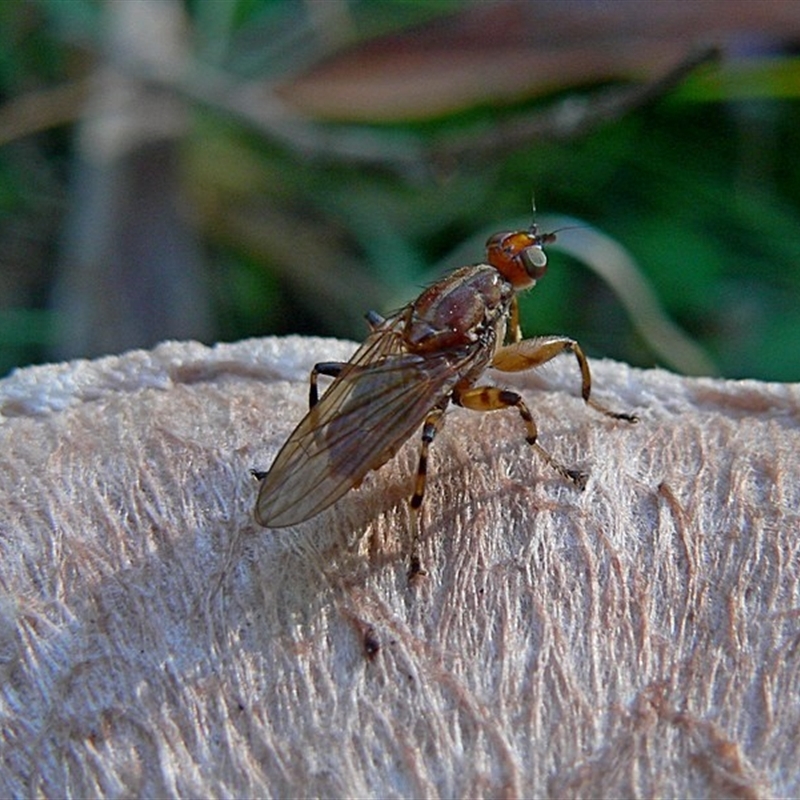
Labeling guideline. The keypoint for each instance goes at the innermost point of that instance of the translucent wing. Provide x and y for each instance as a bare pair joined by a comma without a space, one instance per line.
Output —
380,398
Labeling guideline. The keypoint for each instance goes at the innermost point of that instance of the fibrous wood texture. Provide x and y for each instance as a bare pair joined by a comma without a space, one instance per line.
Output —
641,638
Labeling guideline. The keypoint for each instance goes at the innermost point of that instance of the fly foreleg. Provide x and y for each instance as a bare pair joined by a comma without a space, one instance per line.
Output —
492,398
514,333
429,429
532,353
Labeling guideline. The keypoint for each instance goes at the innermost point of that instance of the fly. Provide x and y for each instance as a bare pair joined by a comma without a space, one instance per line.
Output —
412,365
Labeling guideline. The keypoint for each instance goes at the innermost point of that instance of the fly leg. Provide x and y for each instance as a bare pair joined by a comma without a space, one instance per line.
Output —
514,332
429,429
491,398
374,320
330,368
531,353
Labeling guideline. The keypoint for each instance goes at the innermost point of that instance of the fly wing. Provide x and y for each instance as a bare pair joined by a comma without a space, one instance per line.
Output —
378,400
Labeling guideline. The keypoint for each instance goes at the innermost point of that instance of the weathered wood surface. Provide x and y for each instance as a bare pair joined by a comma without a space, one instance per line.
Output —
641,638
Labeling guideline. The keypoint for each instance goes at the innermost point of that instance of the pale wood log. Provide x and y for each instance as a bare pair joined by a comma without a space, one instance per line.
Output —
641,638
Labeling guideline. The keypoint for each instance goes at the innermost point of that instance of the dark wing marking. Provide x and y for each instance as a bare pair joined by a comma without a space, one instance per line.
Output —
380,398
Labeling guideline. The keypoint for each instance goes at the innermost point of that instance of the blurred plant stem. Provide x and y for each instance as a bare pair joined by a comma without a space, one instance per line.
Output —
132,271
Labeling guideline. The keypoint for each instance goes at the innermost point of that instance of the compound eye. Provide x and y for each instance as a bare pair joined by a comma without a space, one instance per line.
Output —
534,260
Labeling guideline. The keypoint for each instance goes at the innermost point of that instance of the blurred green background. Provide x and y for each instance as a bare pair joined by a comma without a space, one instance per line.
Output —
219,169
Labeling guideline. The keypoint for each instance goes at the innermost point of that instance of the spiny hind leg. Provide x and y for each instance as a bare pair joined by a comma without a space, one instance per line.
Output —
492,398
532,353
429,429
331,369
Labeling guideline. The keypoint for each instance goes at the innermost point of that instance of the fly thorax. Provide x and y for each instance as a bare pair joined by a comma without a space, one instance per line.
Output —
454,312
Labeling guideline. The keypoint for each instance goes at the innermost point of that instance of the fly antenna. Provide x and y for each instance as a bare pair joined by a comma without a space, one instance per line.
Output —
570,228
